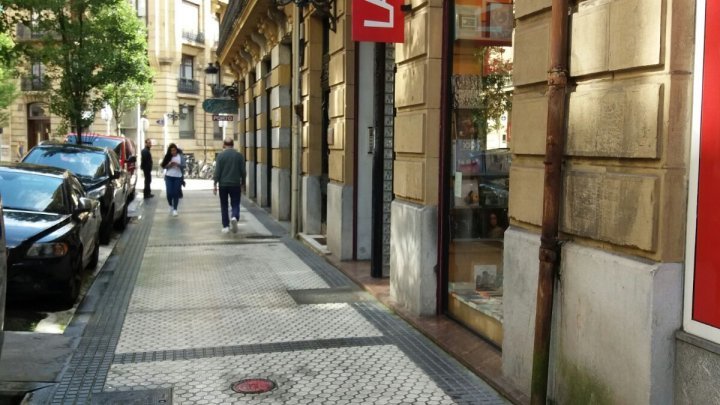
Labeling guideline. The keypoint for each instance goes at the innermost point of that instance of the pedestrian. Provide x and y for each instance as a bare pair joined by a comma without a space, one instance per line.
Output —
146,164
229,179
174,164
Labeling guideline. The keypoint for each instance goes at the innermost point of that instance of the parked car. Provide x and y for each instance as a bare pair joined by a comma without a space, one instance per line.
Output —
51,228
123,147
3,275
100,173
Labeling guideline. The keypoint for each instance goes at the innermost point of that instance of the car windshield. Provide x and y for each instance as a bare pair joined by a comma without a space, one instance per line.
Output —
82,163
32,192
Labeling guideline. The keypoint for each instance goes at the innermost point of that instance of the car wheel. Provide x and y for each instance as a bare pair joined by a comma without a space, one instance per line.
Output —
121,223
95,258
72,288
106,227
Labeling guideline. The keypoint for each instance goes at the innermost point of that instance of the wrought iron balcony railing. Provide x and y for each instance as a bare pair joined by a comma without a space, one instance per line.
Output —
192,36
33,83
233,12
188,86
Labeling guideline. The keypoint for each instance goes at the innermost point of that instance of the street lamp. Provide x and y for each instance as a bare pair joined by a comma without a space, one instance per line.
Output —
213,77
174,116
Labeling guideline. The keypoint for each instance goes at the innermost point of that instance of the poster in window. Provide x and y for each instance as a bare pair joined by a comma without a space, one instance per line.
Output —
490,22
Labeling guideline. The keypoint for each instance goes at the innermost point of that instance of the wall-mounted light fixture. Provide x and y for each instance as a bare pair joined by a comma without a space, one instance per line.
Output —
327,8
219,90
174,116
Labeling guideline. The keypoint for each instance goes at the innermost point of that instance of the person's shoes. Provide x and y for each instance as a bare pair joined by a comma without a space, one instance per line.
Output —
233,224
174,213
171,210
225,230
149,196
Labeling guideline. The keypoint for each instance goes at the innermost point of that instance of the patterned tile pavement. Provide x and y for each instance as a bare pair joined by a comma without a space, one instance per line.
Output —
196,310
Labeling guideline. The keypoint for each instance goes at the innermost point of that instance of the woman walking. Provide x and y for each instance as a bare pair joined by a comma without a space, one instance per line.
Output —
174,165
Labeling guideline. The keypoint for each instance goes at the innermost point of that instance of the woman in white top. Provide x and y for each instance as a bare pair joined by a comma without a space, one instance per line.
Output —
174,164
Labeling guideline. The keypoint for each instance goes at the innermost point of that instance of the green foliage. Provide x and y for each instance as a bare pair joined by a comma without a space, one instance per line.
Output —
8,91
85,46
495,95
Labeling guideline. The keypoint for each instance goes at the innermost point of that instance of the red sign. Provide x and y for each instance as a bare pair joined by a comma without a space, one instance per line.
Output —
706,297
378,21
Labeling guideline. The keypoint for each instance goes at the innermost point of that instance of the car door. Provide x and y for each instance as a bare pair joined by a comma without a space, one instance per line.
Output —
89,221
118,178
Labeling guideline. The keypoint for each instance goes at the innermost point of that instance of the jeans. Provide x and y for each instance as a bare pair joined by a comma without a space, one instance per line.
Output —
172,190
234,193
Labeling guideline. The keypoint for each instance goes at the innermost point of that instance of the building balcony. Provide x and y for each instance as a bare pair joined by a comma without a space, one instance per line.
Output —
32,83
194,37
188,86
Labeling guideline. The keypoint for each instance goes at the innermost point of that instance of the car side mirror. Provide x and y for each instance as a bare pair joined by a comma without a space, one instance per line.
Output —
86,205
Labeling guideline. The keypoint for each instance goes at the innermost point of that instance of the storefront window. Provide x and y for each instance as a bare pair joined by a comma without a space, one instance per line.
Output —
480,134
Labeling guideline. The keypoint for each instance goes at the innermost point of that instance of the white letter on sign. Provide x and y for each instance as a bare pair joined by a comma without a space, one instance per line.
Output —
381,24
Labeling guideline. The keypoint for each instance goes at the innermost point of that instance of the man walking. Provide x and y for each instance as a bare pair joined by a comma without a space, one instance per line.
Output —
146,164
229,178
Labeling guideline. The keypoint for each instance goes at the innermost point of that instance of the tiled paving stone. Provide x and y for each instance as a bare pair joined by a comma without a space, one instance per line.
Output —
208,311
358,375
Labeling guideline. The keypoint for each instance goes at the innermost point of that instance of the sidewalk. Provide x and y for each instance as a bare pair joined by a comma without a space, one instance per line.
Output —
187,311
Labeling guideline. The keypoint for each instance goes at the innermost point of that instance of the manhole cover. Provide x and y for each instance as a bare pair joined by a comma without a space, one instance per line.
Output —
253,386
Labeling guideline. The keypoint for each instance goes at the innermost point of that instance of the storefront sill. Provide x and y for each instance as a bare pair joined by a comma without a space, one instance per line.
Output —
698,342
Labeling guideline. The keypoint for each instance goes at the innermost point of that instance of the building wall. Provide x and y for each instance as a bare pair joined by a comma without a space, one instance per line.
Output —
623,200
341,136
416,166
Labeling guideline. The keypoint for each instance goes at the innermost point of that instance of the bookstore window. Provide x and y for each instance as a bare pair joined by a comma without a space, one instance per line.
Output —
481,100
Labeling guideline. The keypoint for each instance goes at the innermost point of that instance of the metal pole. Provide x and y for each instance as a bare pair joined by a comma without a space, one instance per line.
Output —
165,133
205,118
549,247
296,145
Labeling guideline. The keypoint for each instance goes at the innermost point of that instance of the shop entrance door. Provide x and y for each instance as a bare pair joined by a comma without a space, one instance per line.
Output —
38,124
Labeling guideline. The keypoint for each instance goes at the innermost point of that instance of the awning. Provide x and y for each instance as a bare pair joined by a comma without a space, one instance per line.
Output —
220,106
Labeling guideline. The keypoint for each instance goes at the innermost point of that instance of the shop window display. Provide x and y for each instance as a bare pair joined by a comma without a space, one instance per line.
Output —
480,158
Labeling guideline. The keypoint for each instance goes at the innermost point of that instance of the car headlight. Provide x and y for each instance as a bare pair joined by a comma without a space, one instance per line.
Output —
97,193
56,249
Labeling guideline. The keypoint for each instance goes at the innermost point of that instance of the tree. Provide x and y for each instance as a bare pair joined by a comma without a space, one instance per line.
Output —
85,45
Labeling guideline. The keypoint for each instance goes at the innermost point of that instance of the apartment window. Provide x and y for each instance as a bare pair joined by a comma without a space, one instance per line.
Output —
190,13
187,123
140,7
186,67
217,131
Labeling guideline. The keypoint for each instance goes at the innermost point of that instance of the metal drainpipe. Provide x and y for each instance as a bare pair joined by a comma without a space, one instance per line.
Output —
549,246
296,130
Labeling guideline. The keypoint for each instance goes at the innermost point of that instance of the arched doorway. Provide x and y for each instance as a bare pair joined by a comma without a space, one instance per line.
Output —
38,124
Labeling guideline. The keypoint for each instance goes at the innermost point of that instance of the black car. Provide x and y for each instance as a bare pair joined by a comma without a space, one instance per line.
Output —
3,274
100,173
123,147
51,230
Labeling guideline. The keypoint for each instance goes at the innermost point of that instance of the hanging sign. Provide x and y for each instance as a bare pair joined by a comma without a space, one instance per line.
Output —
378,21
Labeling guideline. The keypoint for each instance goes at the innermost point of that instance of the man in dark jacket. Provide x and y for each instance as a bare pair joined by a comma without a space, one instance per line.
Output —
229,178
146,165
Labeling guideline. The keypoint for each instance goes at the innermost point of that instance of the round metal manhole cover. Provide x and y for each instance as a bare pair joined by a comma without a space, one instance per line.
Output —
253,386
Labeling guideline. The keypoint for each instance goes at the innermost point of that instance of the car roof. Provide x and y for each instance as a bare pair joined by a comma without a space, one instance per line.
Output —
33,168
90,136
70,146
